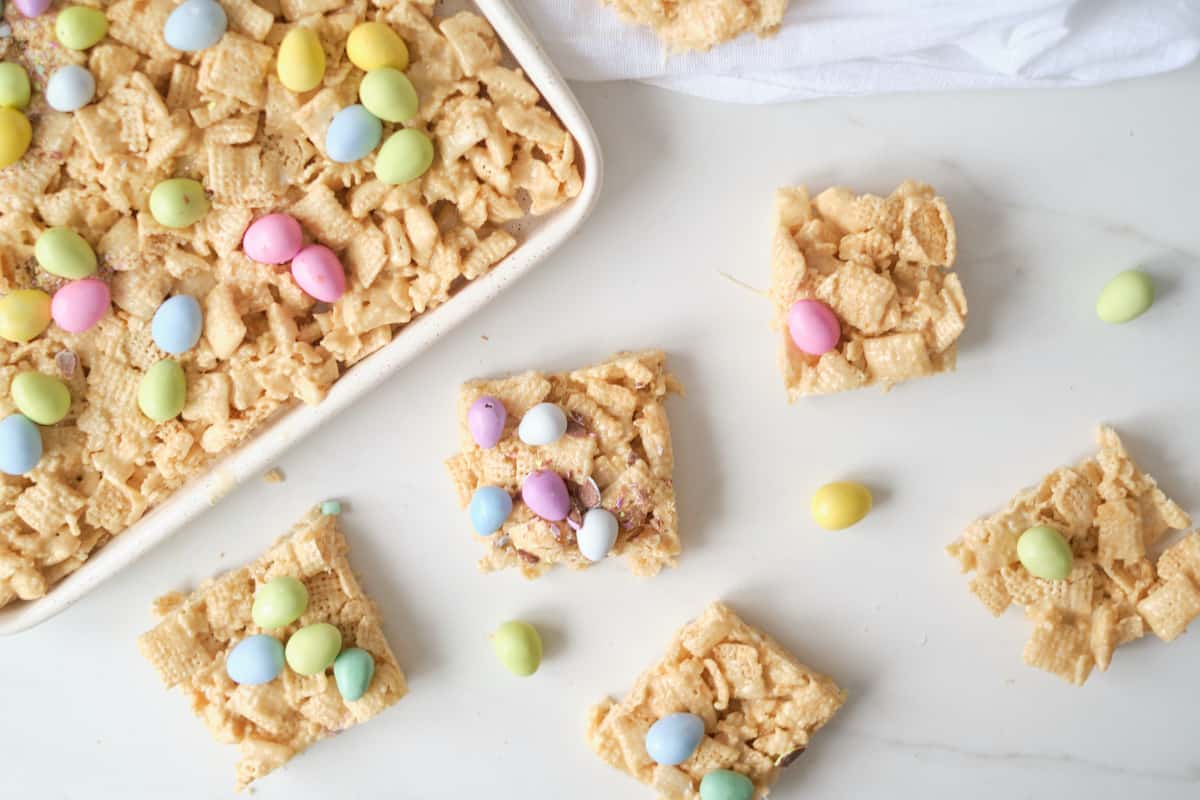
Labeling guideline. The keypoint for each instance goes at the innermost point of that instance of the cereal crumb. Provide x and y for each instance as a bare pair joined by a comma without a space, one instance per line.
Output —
686,25
274,475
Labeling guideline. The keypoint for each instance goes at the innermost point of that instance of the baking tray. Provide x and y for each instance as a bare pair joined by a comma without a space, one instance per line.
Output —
539,237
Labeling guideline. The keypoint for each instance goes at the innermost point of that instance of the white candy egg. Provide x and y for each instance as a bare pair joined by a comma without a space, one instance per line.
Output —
597,534
70,88
545,423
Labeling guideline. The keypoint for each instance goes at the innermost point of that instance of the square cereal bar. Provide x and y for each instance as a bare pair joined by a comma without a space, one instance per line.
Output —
881,265
760,707
1112,514
274,721
700,24
616,454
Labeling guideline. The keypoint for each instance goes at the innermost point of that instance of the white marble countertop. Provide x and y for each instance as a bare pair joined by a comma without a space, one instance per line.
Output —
1053,193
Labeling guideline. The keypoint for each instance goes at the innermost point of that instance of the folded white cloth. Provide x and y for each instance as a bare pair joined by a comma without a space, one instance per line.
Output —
855,47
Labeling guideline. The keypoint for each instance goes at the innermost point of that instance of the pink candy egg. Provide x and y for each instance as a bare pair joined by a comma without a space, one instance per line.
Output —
273,239
485,420
814,327
32,8
319,273
79,305
546,495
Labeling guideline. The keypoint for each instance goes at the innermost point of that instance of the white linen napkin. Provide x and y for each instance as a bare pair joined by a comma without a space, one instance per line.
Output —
855,47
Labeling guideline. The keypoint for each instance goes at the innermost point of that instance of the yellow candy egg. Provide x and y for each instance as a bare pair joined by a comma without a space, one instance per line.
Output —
24,314
15,136
301,65
840,504
373,45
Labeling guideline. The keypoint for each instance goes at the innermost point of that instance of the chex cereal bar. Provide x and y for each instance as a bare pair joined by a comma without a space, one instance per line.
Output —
702,24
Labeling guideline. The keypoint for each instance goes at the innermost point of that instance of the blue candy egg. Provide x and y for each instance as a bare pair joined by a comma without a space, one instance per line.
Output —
195,25
177,324
20,445
255,659
353,134
674,738
490,506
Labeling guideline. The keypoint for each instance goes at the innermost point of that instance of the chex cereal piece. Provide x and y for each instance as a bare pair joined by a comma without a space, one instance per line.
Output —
1112,515
760,707
274,721
701,24
616,454
881,265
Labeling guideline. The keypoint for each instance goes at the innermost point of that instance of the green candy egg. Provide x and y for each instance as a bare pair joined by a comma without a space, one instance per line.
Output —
163,391
1125,297
278,602
42,398
80,27
405,156
1045,553
519,647
725,784
313,648
63,252
178,202
389,94
14,85
352,671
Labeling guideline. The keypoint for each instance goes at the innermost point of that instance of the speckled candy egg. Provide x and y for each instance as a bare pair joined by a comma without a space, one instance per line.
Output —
546,495
273,239
673,738
543,424
79,305
353,133
195,25
70,88
255,660
485,420
177,324
813,326
319,273
20,445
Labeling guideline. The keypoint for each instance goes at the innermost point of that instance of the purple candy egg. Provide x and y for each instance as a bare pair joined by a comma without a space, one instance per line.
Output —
813,326
32,8
546,495
485,420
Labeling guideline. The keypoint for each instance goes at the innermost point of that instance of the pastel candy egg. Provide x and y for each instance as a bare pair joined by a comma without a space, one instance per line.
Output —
255,660
405,156
20,445
319,273
14,85
63,252
598,534
1127,296
673,738
32,8
485,420
195,25
725,784
546,495
543,424
24,314
352,672
1045,553
372,45
70,88
353,134
273,239
15,135
279,602
813,327
44,399
313,648
79,305
490,507
331,508
389,94
162,393
178,202
840,504
518,647
177,324
301,63
80,27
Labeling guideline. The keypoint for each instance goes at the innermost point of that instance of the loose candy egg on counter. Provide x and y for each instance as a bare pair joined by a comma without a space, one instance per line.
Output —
32,8
255,660
518,646
543,424
389,94
273,239
485,421
301,62
1045,553
546,495
178,202
318,271
162,393
80,27
63,252
70,88
352,672
725,784
79,305
42,398
840,504
1127,296
24,314
195,25
177,324
490,507
597,534
15,135
14,86
312,649
279,602
673,738
405,156
813,326
353,134
372,45
20,445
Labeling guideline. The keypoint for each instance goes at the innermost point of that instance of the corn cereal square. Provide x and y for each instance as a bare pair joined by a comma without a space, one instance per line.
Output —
702,24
